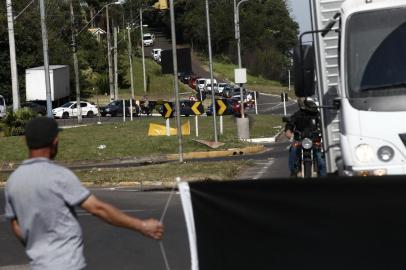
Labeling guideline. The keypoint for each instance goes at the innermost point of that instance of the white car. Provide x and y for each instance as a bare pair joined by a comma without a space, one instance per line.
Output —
156,54
70,109
148,39
221,87
207,85
200,84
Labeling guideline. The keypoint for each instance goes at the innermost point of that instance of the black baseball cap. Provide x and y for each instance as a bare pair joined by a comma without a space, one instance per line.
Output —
40,132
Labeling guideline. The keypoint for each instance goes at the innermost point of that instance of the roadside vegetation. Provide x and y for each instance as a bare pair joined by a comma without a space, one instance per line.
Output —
127,140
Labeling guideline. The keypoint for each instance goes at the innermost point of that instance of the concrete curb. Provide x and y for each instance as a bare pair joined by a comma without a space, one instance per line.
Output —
215,154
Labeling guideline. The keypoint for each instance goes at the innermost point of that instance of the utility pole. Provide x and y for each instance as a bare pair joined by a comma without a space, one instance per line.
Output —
111,83
211,71
46,60
115,64
143,53
13,57
175,80
130,59
238,38
75,63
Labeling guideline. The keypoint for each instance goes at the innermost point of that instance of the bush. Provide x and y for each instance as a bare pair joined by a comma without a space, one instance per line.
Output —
14,122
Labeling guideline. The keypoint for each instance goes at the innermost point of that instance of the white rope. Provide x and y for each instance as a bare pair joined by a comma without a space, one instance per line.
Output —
161,245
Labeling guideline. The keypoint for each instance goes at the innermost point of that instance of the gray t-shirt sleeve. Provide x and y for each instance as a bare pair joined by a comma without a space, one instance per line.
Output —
9,210
69,187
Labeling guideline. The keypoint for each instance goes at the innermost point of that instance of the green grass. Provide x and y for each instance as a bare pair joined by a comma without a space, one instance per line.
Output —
129,139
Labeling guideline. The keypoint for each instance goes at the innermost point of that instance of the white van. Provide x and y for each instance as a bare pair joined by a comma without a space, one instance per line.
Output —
2,107
208,85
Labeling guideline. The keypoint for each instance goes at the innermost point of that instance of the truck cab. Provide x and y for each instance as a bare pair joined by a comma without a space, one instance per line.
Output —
361,84
373,89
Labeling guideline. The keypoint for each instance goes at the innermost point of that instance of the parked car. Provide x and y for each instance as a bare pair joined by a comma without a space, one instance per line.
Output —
115,108
233,107
192,82
156,54
185,77
220,87
208,85
70,109
233,92
200,84
148,39
35,107
185,108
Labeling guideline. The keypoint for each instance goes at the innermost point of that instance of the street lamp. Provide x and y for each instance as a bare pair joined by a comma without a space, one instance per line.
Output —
243,127
211,71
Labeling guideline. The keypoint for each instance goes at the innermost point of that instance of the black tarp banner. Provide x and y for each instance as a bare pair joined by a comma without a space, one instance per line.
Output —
332,223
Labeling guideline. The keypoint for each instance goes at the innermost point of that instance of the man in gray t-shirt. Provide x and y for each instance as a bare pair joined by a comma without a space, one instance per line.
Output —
40,201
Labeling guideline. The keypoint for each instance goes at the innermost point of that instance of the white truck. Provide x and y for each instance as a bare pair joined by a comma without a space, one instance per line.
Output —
359,48
2,107
35,83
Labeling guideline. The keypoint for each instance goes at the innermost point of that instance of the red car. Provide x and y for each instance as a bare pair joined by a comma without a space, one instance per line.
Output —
192,82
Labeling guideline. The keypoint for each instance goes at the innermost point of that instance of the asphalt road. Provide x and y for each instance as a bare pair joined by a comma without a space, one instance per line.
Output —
107,247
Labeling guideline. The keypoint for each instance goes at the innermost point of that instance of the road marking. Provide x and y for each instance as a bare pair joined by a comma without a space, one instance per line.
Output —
264,169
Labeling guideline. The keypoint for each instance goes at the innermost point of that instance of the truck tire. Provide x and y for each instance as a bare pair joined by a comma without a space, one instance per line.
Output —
65,115
90,114
308,169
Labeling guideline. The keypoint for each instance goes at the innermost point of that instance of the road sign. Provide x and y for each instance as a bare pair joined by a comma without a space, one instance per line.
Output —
167,110
221,107
197,108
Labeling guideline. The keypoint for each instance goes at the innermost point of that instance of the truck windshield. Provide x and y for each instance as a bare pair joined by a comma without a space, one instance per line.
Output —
376,59
1,101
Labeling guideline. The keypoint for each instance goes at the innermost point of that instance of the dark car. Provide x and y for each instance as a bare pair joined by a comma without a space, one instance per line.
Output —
233,92
115,108
233,107
35,107
185,108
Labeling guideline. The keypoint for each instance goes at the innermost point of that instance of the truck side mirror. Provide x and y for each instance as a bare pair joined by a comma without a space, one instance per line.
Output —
303,68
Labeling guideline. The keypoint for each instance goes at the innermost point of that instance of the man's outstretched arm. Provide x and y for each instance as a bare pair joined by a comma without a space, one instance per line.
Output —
15,227
149,227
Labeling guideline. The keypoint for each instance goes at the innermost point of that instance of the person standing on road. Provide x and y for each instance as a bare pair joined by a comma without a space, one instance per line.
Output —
40,203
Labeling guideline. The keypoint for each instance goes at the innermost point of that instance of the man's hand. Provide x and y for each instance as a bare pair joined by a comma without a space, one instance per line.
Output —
288,133
152,228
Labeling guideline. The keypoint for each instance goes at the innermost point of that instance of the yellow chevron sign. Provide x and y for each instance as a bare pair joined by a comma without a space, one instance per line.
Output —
221,107
197,108
167,110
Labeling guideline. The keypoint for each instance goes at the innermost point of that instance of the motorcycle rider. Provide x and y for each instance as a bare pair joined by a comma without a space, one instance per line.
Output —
305,120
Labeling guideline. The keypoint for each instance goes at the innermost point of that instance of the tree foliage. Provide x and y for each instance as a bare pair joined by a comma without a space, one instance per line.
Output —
267,32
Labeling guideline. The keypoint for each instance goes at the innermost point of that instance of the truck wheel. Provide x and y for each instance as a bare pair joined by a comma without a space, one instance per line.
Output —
308,169
65,115
90,114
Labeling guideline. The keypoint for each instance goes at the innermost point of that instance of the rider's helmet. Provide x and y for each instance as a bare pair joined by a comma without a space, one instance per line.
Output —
307,104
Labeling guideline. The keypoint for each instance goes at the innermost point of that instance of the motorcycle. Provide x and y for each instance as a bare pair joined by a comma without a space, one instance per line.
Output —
308,146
